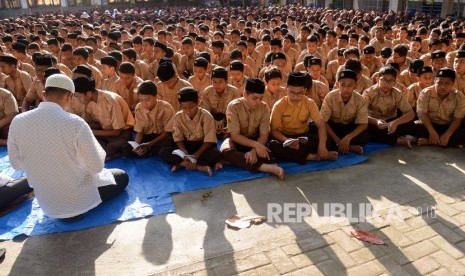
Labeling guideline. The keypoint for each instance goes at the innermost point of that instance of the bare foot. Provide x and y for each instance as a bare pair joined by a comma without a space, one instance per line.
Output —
423,142
404,142
174,168
279,172
206,169
332,155
356,149
312,157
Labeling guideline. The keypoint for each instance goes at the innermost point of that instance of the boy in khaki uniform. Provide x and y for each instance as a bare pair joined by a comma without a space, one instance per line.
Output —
127,84
459,67
111,79
200,80
18,82
154,123
273,90
333,66
81,57
8,110
425,79
170,83
346,115
289,121
383,102
363,82
34,94
107,114
221,58
194,134
314,67
215,98
236,75
409,76
249,126
441,109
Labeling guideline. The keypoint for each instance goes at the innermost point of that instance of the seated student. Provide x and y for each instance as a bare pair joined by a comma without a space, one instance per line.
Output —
313,67
17,82
333,66
107,114
384,101
34,94
409,76
216,97
425,79
459,67
438,60
127,84
346,115
200,80
249,126
194,134
273,90
170,83
81,57
289,121
363,82
154,123
236,75
441,109
8,110
316,91
110,78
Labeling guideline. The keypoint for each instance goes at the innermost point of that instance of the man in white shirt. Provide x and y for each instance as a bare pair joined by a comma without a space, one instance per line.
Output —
61,157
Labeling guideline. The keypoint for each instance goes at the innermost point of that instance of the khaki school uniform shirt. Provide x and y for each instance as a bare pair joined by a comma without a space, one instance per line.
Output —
199,128
380,45
293,119
97,75
413,55
170,95
271,98
99,54
362,84
317,92
405,79
143,70
110,110
222,60
187,63
200,85
372,66
128,94
335,110
157,120
384,105
426,59
441,111
110,84
331,71
18,84
240,85
247,121
8,104
26,67
215,103
35,91
413,92
460,82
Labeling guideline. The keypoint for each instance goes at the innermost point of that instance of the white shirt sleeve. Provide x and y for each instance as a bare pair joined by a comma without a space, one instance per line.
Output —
89,153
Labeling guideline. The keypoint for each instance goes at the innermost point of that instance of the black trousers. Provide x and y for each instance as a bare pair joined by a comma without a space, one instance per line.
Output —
113,146
4,132
458,138
382,136
19,187
13,190
235,154
154,150
341,130
296,155
209,158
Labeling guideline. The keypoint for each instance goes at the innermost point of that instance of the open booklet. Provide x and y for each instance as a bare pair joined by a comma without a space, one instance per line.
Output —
181,154
135,145
302,140
4,179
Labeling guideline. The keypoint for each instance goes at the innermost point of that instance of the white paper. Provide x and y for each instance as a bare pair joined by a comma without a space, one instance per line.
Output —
181,154
135,145
106,178
288,142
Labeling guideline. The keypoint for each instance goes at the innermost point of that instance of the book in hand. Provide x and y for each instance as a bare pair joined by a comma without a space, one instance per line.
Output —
302,140
181,154
135,145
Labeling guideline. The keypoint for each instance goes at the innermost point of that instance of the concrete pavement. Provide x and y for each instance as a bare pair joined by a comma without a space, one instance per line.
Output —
419,210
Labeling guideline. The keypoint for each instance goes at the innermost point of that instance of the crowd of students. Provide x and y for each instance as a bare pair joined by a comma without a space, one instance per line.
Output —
280,83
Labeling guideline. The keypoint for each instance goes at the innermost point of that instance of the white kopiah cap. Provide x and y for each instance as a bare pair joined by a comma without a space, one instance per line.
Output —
60,81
